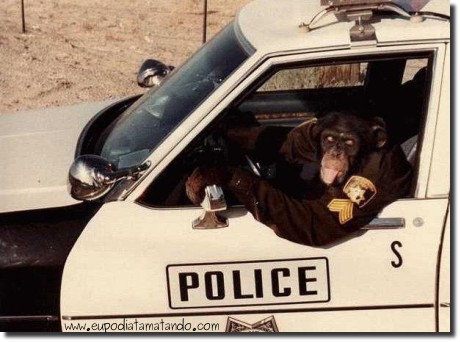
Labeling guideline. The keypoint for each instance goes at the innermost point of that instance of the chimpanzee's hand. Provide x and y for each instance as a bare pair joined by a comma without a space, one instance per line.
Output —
202,177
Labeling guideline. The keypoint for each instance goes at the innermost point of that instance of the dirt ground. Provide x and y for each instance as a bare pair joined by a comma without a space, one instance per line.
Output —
87,50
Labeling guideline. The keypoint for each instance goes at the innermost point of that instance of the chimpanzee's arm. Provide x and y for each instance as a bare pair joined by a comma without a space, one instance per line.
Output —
306,222
322,221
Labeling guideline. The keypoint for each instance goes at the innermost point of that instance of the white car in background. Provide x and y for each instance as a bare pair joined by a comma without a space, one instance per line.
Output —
140,263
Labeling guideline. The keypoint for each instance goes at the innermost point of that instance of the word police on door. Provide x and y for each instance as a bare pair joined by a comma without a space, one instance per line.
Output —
248,283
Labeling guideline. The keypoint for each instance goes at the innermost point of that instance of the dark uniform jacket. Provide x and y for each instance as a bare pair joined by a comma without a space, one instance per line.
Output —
320,214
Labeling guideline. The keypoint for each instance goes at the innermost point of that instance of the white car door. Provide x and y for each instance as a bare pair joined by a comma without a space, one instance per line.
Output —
143,266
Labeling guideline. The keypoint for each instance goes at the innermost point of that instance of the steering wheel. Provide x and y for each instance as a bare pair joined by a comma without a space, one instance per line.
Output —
215,149
255,167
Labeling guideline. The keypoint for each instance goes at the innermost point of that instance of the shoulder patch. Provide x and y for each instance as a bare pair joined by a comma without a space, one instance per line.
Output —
344,207
360,190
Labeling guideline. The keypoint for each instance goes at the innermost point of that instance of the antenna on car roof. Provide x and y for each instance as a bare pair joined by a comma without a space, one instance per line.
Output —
361,11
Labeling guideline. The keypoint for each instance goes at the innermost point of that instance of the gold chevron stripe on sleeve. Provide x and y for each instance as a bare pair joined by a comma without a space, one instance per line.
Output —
344,207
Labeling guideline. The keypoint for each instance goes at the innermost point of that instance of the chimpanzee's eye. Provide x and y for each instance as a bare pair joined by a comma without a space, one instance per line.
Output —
330,138
349,142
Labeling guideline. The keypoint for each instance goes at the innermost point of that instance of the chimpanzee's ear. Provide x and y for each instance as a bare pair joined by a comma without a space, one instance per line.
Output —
379,132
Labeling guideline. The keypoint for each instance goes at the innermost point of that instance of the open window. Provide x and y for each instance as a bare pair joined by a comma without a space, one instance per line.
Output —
394,87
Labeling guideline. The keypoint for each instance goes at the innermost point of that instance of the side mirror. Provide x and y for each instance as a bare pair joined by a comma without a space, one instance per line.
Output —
214,201
152,72
91,176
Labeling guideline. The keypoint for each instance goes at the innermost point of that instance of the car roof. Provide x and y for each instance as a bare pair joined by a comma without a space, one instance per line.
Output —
273,25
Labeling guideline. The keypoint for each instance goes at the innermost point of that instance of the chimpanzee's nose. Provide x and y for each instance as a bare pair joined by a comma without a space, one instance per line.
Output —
337,151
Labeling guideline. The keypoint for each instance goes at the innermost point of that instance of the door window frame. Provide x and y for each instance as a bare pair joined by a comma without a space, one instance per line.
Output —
171,149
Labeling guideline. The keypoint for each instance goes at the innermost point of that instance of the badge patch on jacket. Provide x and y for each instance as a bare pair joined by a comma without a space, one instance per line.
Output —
360,190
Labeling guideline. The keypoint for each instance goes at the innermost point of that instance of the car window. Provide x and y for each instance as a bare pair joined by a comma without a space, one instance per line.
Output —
413,66
325,76
279,99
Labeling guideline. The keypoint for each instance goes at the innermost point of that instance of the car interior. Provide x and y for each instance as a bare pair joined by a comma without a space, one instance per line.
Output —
394,87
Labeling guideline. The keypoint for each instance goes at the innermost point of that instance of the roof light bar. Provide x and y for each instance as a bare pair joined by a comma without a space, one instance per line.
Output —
345,10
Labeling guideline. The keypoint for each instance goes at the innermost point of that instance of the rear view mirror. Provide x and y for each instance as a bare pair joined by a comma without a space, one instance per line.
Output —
152,72
91,176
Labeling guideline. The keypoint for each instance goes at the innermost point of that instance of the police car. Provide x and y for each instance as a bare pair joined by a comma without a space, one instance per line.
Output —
148,260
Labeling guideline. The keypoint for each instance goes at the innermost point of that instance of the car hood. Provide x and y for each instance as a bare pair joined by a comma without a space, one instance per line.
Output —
36,150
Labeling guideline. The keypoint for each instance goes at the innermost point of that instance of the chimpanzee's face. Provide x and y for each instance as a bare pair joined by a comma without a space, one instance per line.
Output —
340,142
342,138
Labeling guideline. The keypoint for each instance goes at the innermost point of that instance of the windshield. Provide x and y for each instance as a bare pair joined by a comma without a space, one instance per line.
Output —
148,121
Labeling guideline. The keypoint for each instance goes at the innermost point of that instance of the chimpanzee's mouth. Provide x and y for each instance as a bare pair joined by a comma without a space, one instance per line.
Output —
332,176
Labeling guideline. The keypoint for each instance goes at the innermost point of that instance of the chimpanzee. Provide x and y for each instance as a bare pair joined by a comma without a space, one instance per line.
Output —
359,173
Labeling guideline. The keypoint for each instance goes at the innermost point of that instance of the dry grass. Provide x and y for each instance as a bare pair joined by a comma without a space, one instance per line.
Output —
90,50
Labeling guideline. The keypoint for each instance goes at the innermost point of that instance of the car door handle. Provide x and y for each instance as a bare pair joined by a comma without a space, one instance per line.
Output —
385,223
